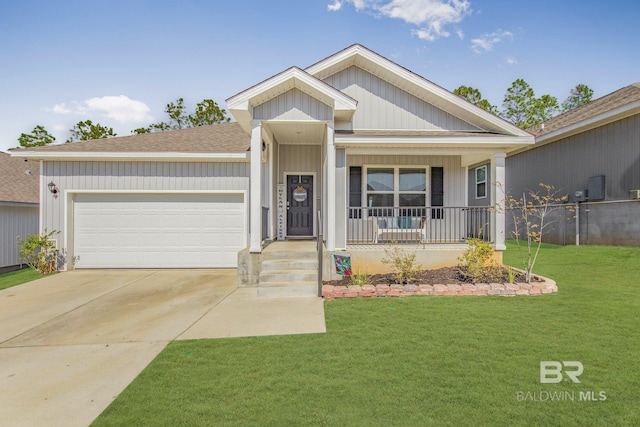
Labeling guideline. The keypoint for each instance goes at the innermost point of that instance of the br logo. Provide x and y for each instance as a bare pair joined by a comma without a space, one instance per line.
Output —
551,371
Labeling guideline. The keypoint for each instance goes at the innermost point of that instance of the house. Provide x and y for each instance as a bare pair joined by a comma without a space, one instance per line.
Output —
354,145
592,155
19,198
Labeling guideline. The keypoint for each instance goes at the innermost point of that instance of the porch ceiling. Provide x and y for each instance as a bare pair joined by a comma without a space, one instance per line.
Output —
298,133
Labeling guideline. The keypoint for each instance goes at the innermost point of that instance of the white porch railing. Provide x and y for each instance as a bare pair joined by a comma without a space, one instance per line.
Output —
382,225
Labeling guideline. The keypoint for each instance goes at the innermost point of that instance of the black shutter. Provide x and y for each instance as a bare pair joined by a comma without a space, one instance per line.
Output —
355,191
437,192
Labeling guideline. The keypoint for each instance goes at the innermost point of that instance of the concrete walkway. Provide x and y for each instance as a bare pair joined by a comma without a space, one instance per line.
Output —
70,343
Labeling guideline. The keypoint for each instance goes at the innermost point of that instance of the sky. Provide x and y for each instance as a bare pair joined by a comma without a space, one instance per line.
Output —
119,62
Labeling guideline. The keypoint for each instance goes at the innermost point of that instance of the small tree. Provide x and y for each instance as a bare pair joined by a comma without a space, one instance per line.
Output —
39,252
404,265
531,219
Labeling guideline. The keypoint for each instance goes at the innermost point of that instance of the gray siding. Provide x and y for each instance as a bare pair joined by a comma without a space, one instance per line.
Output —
300,158
612,150
293,105
384,106
15,221
136,176
454,173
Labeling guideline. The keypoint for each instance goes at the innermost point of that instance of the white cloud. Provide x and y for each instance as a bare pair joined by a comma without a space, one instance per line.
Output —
119,108
61,109
430,16
335,6
511,60
460,33
486,42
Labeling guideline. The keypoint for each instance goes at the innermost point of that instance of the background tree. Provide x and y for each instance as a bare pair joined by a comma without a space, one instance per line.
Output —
517,103
37,138
523,109
474,96
578,96
86,130
543,109
207,112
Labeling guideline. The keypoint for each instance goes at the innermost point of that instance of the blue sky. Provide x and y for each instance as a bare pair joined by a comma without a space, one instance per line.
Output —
120,62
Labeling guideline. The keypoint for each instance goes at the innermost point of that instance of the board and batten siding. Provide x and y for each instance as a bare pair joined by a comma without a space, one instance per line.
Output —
382,105
300,158
293,105
135,176
454,173
15,221
612,150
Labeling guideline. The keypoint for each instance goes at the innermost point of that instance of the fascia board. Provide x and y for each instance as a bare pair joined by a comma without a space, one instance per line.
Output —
132,156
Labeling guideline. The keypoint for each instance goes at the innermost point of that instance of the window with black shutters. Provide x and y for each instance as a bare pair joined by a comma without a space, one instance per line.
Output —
437,192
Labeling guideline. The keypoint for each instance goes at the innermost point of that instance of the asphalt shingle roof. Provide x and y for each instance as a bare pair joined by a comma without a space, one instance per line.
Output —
220,138
617,99
16,184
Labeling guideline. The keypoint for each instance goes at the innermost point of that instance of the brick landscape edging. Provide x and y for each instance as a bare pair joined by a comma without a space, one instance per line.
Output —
547,286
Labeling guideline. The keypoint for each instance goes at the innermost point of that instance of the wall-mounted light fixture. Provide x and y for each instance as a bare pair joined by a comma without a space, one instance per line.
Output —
53,188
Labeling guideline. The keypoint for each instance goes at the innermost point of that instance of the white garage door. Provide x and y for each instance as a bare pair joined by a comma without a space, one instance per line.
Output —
158,230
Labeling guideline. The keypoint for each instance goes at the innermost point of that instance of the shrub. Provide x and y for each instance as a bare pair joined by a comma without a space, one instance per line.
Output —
481,266
359,279
39,252
402,264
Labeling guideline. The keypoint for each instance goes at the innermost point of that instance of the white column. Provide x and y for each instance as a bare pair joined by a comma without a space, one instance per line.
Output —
255,211
498,189
330,232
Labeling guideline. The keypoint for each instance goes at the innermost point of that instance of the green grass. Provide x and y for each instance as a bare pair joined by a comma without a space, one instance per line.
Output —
18,277
437,361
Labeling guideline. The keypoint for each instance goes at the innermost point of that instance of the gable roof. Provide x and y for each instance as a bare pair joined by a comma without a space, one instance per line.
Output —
17,185
414,84
241,104
614,106
220,140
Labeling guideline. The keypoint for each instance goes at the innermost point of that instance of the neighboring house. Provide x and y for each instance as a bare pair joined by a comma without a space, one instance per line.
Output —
19,195
592,155
378,153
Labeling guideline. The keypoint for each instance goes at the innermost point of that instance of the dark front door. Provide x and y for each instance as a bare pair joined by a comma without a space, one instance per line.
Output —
299,205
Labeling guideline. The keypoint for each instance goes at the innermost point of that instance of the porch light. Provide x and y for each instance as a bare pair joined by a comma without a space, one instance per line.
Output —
52,188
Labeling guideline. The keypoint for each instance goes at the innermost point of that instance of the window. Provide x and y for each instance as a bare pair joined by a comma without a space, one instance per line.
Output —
395,186
481,182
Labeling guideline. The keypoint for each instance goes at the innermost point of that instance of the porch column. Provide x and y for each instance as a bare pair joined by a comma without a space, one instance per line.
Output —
330,232
255,211
497,196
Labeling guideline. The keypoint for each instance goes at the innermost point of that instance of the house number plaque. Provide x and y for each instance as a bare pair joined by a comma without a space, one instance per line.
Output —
282,211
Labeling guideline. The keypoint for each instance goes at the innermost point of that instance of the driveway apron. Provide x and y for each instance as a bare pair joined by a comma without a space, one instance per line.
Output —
70,343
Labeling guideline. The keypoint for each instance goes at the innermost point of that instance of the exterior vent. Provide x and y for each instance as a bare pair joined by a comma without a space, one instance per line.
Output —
634,194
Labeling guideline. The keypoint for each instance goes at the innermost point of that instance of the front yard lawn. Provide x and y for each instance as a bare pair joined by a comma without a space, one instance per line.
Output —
458,361
18,277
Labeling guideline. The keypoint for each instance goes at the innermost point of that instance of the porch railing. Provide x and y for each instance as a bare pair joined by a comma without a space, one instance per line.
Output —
429,224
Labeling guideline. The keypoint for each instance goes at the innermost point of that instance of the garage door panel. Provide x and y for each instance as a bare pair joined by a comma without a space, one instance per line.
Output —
158,230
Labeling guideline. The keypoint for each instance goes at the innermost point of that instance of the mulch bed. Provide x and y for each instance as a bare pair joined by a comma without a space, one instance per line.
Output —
441,281
445,275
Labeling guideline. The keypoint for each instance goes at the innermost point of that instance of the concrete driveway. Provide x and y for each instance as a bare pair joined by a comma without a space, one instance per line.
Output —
70,343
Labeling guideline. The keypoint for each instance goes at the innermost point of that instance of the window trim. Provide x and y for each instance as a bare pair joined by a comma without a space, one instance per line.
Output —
481,182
